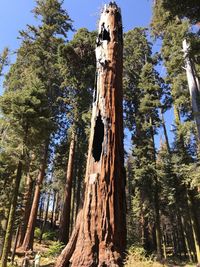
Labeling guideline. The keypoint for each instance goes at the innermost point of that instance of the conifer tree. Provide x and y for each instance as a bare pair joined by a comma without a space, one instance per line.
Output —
36,81
143,82
77,62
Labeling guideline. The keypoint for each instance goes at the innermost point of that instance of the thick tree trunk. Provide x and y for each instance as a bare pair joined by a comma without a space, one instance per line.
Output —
27,209
29,236
65,215
102,235
11,217
193,84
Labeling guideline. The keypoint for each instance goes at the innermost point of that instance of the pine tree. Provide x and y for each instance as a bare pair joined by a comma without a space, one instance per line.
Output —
79,53
143,82
32,86
3,60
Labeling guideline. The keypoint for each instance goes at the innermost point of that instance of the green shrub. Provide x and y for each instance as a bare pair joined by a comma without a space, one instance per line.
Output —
55,249
37,233
137,257
49,235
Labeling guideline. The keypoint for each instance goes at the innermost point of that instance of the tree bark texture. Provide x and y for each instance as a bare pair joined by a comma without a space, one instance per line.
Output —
27,208
102,235
63,259
11,217
15,245
194,223
29,236
45,218
65,214
193,84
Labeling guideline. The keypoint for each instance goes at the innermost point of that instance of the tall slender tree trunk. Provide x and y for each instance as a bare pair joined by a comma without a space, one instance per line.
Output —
11,217
45,218
78,191
56,212
66,211
156,202
157,224
15,245
53,208
165,132
4,222
193,84
194,224
27,209
102,236
190,202
186,238
29,236
41,207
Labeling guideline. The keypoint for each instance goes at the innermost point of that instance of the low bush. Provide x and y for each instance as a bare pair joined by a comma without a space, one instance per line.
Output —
137,257
55,249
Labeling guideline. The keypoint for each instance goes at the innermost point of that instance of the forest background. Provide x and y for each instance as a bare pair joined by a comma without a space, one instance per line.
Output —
45,124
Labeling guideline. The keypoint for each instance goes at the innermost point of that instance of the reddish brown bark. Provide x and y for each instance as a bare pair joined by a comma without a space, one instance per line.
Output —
102,235
27,209
29,236
63,259
65,214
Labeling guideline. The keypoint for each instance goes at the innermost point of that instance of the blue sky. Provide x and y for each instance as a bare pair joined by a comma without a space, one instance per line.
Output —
15,14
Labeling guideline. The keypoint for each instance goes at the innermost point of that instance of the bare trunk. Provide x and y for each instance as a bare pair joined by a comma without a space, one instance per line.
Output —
165,132
45,218
194,224
156,203
102,235
53,208
29,236
15,245
56,212
186,238
11,217
157,224
27,209
78,191
65,215
41,207
193,84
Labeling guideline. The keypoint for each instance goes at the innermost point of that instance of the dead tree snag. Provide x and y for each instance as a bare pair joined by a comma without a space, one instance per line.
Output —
102,235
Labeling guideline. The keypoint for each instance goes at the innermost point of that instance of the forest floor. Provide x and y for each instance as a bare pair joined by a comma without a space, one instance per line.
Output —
48,260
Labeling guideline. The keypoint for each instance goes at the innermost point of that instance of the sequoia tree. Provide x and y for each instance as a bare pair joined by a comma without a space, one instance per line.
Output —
101,238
